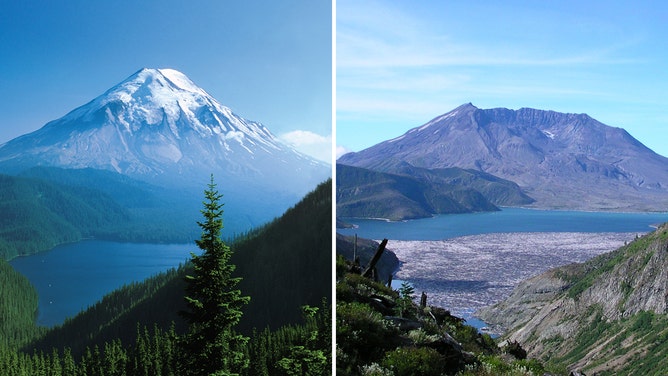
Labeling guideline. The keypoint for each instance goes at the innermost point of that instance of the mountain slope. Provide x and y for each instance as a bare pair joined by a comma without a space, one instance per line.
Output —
156,122
608,315
370,194
284,265
498,191
37,215
155,213
159,127
18,308
560,160
382,331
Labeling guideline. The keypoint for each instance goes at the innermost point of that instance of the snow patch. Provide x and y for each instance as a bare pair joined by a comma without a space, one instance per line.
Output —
438,119
397,139
548,134
162,152
234,135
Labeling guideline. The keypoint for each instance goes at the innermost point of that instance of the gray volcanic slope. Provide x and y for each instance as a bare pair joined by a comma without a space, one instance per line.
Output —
568,161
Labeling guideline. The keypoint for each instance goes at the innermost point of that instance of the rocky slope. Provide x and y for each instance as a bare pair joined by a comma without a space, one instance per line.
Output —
608,315
364,250
364,193
561,160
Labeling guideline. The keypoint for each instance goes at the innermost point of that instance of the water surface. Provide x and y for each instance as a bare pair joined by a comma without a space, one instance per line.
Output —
448,226
468,261
71,277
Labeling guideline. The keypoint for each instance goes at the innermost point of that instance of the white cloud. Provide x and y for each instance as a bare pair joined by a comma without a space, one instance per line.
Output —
307,142
341,150
301,138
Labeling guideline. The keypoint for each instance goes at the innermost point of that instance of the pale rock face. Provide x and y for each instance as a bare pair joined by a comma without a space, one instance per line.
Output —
621,284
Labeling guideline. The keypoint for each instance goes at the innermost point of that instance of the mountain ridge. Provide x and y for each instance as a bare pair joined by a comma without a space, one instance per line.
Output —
409,192
563,161
158,121
160,128
38,214
607,315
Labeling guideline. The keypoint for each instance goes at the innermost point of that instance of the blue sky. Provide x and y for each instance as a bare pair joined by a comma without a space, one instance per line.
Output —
269,61
401,63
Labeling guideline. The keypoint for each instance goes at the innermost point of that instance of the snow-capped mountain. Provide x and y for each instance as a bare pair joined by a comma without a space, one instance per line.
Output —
157,125
561,160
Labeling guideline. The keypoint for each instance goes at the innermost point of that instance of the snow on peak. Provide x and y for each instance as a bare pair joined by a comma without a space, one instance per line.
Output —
167,99
158,82
181,80
439,119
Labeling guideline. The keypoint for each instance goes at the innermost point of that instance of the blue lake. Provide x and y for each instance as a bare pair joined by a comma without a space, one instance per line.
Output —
507,220
71,277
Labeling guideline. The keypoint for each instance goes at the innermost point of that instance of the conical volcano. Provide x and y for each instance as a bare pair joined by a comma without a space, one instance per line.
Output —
158,125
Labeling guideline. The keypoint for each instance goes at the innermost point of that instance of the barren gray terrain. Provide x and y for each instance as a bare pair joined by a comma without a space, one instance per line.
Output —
561,160
467,273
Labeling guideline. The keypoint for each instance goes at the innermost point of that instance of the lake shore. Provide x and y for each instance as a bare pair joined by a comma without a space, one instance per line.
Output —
467,273
73,276
505,221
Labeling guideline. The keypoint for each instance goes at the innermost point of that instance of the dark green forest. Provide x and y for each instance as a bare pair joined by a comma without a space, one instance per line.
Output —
38,215
46,207
285,268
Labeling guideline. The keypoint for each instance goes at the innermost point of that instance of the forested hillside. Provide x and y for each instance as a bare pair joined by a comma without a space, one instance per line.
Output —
366,193
38,215
288,263
18,307
46,207
285,265
156,214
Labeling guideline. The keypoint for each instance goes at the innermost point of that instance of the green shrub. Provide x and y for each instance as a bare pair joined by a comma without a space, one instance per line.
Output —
643,321
405,302
420,337
495,366
532,365
363,284
374,369
362,333
414,361
467,336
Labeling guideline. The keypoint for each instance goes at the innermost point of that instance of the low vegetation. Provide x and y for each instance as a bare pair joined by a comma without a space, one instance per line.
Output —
380,331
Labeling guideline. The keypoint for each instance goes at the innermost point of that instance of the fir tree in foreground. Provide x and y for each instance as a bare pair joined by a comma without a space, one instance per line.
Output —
214,302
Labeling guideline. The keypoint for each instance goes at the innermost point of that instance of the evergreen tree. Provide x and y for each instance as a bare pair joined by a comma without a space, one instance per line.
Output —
213,300
69,367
